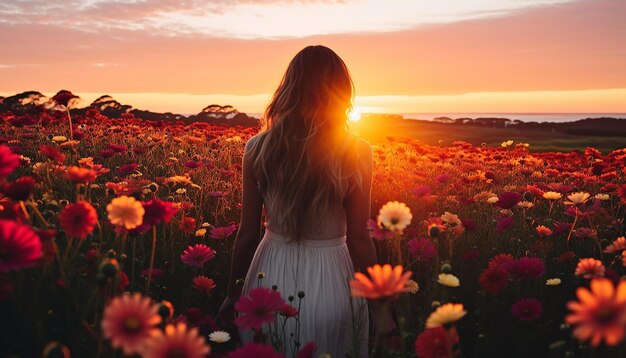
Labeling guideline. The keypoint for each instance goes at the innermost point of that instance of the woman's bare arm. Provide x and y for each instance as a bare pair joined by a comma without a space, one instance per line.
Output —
249,234
358,206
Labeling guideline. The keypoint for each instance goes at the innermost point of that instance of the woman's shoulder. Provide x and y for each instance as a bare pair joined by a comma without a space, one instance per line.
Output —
361,146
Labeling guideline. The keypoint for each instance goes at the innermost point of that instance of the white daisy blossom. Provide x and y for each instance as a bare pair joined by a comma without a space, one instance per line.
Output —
219,337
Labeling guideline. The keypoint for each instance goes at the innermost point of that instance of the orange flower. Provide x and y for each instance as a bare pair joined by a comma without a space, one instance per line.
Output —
81,175
589,268
618,245
600,314
385,281
543,231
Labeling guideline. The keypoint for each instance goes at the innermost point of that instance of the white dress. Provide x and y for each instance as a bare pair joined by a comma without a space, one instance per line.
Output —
322,269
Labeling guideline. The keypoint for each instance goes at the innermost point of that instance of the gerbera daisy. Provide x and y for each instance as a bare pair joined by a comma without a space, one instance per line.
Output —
81,175
494,279
422,249
436,343
526,309
526,267
600,313
222,232
450,219
78,219
157,211
543,230
20,247
552,195
20,189
219,337
377,232
499,260
577,198
508,199
203,283
258,308
449,280
129,321
197,255
590,268
384,281
445,315
394,216
177,341
125,211
616,246
553,281
9,161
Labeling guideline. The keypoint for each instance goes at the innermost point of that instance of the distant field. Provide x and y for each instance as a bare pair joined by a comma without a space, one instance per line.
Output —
444,134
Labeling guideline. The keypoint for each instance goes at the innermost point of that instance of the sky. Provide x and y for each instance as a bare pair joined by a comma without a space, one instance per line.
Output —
405,56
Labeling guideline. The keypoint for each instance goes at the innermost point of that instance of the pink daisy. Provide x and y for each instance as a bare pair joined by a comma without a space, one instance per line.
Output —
222,232
526,309
197,255
258,307
20,247
378,233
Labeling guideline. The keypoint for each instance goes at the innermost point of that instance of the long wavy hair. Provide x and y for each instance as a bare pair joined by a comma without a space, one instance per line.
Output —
305,158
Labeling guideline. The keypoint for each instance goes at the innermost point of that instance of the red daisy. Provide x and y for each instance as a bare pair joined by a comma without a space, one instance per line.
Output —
197,255
9,161
258,307
157,211
437,343
20,247
422,249
78,219
203,283
526,309
494,279
20,189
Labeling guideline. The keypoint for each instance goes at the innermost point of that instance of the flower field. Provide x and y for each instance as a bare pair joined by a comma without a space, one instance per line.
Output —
116,237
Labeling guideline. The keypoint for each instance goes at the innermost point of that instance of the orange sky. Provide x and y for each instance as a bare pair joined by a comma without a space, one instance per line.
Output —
534,56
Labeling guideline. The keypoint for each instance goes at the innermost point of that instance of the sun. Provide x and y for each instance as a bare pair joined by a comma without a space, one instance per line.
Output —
355,114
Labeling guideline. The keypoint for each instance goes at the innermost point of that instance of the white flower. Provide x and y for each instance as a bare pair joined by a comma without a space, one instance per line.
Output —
394,216
553,281
219,337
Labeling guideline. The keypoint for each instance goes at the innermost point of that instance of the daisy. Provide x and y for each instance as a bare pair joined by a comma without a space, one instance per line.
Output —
78,219
577,198
219,337
553,282
384,281
20,247
436,343
197,255
589,268
448,280
129,321
552,195
203,283
618,245
445,314
258,308
394,216
526,309
125,211
600,313
177,341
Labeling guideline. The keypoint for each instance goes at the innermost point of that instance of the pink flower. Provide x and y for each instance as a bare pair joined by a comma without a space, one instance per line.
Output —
78,219
222,232
378,233
20,189
422,249
203,283
157,211
508,200
197,255
526,309
307,351
8,161
258,308
255,350
504,223
526,267
20,247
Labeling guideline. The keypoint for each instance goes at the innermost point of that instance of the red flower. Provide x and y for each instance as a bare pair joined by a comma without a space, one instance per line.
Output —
78,219
526,267
437,343
422,249
258,308
81,175
508,200
52,152
255,350
203,283
20,189
187,225
288,310
307,351
197,255
222,232
526,309
621,192
499,260
63,97
8,161
20,247
504,223
157,211
494,279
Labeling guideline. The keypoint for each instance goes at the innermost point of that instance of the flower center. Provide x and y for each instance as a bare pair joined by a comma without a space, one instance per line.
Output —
605,315
132,324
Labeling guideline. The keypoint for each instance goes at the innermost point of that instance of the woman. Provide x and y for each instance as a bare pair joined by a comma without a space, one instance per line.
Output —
313,177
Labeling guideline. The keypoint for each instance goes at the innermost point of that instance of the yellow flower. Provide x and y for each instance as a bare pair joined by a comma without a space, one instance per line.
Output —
445,314
577,198
525,204
412,286
492,200
552,195
394,216
125,211
59,138
602,197
450,219
449,280
506,144
200,232
553,281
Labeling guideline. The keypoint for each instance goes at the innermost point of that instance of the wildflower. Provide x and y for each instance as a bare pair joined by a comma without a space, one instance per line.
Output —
177,341
449,280
590,268
197,255
222,232
288,310
203,283
600,313
526,267
445,314
8,161
59,138
553,282
526,309
508,199
78,219
125,211
525,204
602,197
200,232
450,219
65,98
617,245
504,223
81,175
412,286
577,198
258,308
158,211
219,337
255,350
129,321
394,216
187,224
20,247
552,195
52,152
20,189
543,230
506,144
437,343
422,249
385,282
500,260
494,279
